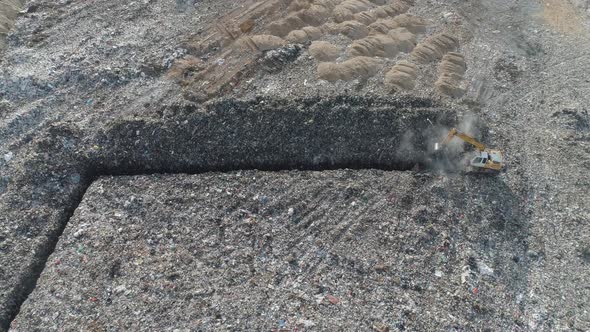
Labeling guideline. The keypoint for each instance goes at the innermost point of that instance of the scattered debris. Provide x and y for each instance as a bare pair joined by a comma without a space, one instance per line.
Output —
332,299
484,269
275,60
8,156
380,327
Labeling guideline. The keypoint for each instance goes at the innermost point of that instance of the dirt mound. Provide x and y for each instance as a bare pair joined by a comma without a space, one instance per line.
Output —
346,10
413,23
395,8
330,4
356,68
308,15
401,77
323,51
263,42
353,29
452,69
298,5
304,35
405,40
390,10
238,38
369,16
383,26
453,63
375,45
314,15
434,47
282,27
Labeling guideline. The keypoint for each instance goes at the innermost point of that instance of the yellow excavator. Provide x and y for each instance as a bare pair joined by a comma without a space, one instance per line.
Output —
486,160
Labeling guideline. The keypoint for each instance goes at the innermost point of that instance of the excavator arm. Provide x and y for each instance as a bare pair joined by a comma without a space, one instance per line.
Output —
454,132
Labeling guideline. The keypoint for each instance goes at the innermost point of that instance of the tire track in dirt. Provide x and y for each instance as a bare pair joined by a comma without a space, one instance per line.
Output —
317,223
337,234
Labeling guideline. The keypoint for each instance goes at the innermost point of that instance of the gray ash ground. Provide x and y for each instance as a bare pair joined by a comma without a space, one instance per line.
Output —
331,250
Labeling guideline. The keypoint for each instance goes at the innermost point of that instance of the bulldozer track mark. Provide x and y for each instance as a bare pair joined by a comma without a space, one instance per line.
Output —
222,28
319,196
311,225
310,270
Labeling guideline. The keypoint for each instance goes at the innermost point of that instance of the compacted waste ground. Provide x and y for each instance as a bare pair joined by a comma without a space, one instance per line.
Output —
96,88
308,250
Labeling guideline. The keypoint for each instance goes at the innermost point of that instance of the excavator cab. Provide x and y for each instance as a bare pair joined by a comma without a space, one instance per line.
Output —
485,160
490,159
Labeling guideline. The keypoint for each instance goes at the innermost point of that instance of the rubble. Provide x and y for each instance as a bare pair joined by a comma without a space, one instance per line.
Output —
67,157
207,267
105,88
275,60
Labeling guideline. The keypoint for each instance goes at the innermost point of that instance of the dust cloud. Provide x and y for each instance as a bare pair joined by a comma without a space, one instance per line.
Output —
455,156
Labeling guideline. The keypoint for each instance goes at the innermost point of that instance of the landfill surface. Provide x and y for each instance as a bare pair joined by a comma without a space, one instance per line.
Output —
202,136
329,250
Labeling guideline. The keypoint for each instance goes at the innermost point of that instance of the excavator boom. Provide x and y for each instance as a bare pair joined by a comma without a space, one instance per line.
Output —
454,132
